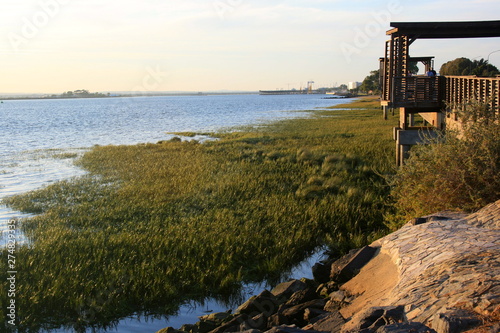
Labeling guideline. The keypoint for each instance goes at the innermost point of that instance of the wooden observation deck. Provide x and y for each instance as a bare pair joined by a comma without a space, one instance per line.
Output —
429,96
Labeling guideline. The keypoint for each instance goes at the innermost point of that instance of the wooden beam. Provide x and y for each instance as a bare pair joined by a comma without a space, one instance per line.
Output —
431,30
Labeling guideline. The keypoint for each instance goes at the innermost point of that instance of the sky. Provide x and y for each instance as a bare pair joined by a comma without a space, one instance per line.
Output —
53,46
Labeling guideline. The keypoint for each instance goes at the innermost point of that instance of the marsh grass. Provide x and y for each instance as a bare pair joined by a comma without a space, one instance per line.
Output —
155,225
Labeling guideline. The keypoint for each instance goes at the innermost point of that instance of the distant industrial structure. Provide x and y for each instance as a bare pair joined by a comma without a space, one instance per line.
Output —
309,89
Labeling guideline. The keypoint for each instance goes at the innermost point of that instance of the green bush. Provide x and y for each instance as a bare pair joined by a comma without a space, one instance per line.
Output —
459,170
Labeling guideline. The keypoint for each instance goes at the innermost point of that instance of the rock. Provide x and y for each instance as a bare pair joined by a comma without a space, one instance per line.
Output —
206,326
431,218
310,283
330,323
337,300
295,314
310,314
259,322
286,289
217,317
189,328
169,330
405,328
233,325
418,220
289,329
277,318
348,266
375,317
327,288
302,296
321,271
339,296
265,303
455,321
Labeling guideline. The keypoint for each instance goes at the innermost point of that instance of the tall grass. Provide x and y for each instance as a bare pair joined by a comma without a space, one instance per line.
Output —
155,225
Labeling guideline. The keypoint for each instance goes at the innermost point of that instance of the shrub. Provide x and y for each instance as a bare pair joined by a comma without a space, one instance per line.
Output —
458,170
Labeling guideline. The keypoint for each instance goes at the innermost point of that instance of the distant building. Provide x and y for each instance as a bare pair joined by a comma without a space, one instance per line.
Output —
353,85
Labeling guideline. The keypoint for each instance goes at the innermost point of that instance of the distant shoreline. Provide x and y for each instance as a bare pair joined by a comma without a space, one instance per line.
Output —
10,98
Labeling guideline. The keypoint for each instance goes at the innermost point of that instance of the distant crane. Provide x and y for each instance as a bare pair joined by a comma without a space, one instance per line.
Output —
310,87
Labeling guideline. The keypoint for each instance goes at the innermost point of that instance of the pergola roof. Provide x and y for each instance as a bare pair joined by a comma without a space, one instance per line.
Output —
430,30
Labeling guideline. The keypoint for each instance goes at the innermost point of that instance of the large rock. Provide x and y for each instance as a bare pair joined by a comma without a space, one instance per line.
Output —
321,271
217,317
333,322
233,325
296,314
455,321
170,330
289,329
348,266
375,317
311,315
302,296
405,328
205,326
284,290
259,322
265,303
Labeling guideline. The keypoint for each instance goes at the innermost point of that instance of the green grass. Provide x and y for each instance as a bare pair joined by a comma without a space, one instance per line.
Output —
155,225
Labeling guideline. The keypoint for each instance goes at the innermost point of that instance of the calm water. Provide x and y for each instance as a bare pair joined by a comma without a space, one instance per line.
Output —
41,138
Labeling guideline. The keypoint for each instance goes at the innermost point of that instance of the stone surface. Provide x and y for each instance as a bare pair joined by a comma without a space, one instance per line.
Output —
288,329
302,296
445,264
169,330
217,317
295,314
455,321
374,317
345,268
258,322
330,323
411,327
265,303
233,325
286,289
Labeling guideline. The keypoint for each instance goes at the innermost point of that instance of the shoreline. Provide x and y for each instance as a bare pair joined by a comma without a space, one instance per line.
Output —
392,285
130,95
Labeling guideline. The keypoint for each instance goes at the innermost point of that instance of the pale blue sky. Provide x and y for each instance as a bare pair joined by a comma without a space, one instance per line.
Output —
51,46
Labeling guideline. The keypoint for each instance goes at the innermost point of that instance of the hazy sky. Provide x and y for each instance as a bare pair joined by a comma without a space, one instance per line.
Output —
51,46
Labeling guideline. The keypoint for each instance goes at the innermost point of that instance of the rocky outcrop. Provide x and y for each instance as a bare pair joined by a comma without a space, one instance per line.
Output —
439,273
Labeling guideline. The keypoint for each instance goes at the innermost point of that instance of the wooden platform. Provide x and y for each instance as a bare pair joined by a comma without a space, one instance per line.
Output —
431,97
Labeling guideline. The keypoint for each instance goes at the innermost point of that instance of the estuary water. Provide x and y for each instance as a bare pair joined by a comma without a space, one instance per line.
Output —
40,139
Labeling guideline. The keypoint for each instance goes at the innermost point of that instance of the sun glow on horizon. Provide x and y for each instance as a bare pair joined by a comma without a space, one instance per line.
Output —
51,46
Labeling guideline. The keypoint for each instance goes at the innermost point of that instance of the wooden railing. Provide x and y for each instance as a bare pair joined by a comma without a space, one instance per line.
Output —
418,91
463,89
